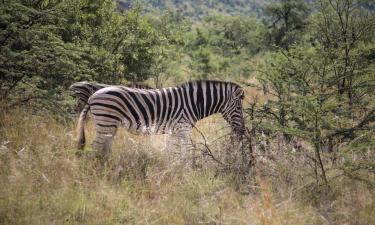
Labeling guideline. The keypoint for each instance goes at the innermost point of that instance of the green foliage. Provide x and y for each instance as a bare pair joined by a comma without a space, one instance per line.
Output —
286,20
137,47
196,9
308,81
222,46
47,45
171,30
344,31
234,35
41,45
30,50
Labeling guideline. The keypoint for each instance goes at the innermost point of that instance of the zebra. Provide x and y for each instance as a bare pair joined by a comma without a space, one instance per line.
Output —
83,90
173,110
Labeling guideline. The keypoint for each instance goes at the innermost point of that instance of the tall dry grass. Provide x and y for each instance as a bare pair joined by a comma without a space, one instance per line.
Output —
44,182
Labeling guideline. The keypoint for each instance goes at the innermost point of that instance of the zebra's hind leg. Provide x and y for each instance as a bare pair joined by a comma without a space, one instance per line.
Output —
103,141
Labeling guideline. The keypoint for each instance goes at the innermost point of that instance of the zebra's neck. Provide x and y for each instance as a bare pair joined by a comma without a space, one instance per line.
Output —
206,98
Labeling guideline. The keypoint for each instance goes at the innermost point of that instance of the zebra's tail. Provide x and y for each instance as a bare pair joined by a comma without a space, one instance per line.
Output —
81,127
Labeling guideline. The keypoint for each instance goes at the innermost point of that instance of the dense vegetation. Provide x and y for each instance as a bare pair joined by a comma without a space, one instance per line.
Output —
196,9
308,68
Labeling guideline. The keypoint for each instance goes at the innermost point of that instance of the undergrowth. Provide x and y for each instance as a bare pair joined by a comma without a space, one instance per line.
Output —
43,181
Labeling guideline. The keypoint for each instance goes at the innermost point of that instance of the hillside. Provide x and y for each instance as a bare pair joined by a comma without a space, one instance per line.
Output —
197,9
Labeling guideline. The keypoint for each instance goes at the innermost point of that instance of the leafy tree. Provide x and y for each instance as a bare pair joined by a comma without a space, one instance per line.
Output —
303,84
95,26
171,30
233,35
286,20
137,46
222,46
197,9
344,30
47,45
34,59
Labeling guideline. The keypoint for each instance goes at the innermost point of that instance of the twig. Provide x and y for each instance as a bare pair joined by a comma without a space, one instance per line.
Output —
208,150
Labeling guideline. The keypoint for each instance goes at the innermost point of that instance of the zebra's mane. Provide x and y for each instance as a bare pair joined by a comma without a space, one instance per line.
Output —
131,85
214,82
90,83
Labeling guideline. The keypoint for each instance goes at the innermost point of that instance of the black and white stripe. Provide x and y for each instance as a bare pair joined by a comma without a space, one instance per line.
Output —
83,90
172,110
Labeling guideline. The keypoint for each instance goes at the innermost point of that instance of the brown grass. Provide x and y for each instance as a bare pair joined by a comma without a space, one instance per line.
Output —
44,182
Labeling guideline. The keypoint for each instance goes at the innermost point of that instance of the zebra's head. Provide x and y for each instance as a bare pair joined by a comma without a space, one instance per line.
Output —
233,110
82,92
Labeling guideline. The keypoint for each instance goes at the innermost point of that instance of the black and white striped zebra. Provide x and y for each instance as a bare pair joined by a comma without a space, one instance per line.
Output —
173,110
83,90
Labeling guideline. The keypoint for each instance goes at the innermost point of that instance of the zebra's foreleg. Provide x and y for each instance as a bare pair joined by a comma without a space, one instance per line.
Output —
172,150
103,142
179,149
180,146
188,151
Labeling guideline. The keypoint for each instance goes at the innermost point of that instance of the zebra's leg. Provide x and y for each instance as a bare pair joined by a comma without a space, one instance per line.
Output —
172,149
188,151
178,150
180,146
102,143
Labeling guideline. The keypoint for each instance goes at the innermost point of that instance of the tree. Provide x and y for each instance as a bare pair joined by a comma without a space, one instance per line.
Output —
233,35
31,51
95,27
171,30
286,20
47,45
223,45
305,94
344,30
